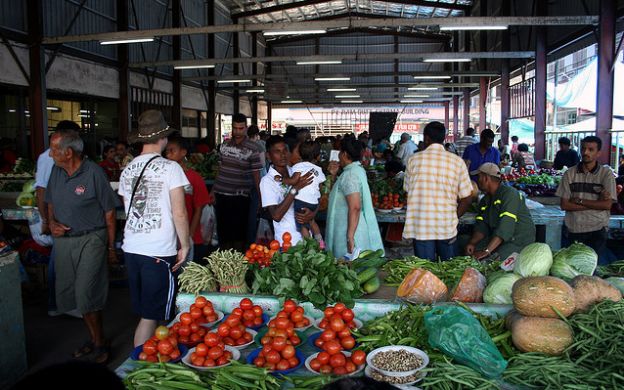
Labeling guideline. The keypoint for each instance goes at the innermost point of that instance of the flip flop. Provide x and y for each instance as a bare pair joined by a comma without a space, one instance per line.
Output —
84,350
102,354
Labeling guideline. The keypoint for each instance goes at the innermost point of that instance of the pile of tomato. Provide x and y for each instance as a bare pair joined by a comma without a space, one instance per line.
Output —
262,255
277,355
294,314
281,331
162,346
337,363
211,353
189,330
336,316
250,315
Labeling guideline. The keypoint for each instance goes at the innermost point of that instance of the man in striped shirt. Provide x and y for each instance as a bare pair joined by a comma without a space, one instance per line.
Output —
438,193
465,141
240,164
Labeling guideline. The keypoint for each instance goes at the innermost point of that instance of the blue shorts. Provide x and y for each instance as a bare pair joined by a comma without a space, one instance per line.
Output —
299,204
153,286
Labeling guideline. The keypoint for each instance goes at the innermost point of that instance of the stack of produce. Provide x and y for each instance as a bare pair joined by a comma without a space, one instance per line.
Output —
161,347
337,323
210,353
294,313
206,165
196,278
281,332
27,197
333,360
233,332
189,329
388,194
229,268
542,182
261,254
367,266
277,355
308,274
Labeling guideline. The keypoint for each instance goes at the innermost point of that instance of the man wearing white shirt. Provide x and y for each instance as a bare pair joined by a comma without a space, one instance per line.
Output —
407,148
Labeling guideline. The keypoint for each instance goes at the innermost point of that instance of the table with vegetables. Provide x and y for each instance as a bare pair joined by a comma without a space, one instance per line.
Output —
295,317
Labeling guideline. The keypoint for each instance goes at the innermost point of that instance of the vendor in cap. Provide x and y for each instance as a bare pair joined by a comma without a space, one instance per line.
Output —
503,223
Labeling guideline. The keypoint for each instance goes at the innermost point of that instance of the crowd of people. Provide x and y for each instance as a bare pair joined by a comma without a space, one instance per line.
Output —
282,179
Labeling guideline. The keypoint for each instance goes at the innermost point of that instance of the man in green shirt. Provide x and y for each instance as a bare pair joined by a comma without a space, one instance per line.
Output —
504,224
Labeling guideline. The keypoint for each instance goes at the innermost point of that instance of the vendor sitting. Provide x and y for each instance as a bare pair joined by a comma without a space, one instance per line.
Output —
503,224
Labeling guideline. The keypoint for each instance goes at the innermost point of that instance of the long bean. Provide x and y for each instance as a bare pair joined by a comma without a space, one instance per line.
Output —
443,374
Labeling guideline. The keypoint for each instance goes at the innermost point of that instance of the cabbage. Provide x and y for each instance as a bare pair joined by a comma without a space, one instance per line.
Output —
499,290
617,283
577,259
534,260
29,186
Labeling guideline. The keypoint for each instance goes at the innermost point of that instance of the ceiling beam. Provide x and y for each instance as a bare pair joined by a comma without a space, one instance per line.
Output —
346,84
351,74
431,36
329,24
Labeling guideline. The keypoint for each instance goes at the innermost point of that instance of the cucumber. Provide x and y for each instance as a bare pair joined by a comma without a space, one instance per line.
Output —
372,285
366,275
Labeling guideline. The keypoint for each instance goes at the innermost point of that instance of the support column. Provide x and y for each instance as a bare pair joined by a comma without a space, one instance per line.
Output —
604,93
466,110
253,100
455,118
211,124
446,116
37,91
236,68
176,112
396,69
269,117
483,95
505,71
123,104
540,85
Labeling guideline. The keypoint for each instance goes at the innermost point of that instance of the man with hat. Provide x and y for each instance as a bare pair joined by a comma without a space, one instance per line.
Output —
503,223
81,216
153,191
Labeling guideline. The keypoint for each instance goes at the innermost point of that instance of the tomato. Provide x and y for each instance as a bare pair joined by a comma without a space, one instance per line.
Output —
194,338
336,324
282,365
198,361
282,314
215,352
239,342
281,333
329,311
358,357
248,315
323,357
183,339
257,310
332,347
165,347
350,367
228,355
337,360
257,321
328,335
315,364
194,327
274,245
346,332
323,324
235,333
286,246
212,339
252,246
209,363
286,237
196,313
246,304
202,331
347,315
223,330
186,319
238,311
295,340
174,328
259,362
162,332
200,302
232,320
222,360
290,306
296,317
319,343
279,343
152,359
248,255
340,370
325,369
288,352
272,357
208,311
282,323
247,337
201,349
339,307
293,361
185,330
347,342
142,356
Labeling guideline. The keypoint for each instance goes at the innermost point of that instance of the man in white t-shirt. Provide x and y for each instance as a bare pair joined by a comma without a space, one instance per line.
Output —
153,191
279,197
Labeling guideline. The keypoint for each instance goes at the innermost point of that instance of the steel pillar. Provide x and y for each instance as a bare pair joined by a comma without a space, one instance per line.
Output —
604,93
483,95
123,104
466,112
37,91
176,111
540,86
455,118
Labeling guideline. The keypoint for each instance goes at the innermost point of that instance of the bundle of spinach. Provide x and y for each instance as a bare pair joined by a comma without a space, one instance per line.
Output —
308,274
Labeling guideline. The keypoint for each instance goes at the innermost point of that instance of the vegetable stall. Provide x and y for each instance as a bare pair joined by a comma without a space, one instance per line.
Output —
296,317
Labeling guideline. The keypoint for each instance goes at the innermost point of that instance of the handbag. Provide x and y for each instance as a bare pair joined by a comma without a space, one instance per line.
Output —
136,185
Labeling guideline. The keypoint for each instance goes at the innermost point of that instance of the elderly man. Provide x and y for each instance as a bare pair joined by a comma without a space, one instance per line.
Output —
407,148
504,224
81,216
153,191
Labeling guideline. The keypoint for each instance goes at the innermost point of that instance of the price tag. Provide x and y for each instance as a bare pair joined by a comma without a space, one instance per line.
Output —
508,264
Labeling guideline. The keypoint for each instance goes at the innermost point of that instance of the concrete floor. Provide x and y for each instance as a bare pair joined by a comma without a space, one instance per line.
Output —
51,340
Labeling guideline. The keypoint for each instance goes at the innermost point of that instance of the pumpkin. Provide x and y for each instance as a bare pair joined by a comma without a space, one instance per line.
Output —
422,286
550,336
589,290
543,296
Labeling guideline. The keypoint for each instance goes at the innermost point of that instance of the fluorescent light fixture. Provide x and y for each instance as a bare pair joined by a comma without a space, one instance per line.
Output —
291,101
465,28
347,96
332,79
351,101
422,89
415,96
12,110
447,60
292,32
83,115
255,91
432,77
411,101
120,41
341,89
53,108
193,67
319,62
233,81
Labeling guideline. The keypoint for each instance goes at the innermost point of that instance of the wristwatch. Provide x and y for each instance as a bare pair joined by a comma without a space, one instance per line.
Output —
487,250
293,191
579,201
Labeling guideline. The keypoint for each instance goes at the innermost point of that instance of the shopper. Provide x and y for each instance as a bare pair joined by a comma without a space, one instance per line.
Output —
468,139
279,198
504,224
351,222
566,156
152,188
514,145
476,155
523,158
196,195
587,192
108,163
239,171
406,149
438,193
122,154
81,214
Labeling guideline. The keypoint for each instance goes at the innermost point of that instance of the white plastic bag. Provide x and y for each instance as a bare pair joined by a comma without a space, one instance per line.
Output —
34,223
208,224
264,232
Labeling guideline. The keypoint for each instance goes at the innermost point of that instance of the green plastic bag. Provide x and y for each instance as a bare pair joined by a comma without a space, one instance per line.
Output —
458,334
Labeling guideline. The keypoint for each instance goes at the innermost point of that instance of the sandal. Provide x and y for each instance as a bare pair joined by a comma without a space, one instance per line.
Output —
86,349
102,353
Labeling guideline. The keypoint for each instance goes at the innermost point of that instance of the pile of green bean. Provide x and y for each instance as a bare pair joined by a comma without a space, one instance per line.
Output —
238,376
315,382
229,268
614,269
196,278
443,374
164,376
